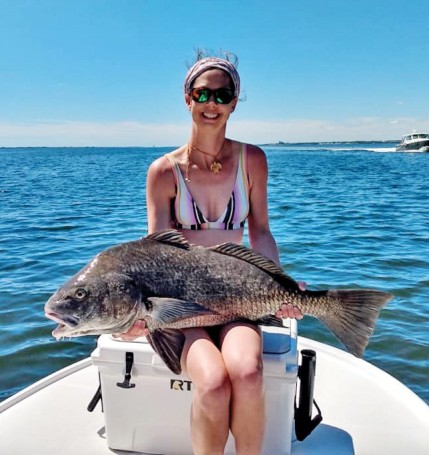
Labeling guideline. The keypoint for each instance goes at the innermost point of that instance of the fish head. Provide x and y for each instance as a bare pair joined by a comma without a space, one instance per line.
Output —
92,304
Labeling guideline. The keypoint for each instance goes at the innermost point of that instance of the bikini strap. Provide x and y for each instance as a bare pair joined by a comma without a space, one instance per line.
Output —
174,167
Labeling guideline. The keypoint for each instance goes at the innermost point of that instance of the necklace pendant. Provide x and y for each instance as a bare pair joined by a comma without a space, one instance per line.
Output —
216,167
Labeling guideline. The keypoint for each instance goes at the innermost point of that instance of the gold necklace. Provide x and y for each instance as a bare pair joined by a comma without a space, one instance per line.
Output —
215,167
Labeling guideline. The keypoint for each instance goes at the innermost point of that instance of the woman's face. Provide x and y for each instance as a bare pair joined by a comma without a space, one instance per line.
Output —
210,112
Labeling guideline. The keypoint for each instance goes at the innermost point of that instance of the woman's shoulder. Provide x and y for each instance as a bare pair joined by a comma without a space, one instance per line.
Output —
163,164
255,155
160,174
257,167
251,149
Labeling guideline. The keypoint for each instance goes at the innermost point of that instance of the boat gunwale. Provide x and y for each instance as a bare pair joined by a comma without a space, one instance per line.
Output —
45,382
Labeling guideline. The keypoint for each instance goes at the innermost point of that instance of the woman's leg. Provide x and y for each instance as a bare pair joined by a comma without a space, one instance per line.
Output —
202,361
241,347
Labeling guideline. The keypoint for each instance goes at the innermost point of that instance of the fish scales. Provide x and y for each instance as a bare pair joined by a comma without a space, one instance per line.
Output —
195,275
173,285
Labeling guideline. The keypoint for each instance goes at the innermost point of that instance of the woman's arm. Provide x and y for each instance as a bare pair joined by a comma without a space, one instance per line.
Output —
159,193
261,239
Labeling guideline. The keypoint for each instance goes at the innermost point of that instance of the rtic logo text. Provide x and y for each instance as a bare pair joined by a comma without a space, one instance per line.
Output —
178,384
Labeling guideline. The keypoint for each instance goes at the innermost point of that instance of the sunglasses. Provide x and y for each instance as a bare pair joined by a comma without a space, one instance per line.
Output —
220,95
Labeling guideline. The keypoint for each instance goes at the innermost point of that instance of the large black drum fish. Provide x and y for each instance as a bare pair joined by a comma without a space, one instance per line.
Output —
173,285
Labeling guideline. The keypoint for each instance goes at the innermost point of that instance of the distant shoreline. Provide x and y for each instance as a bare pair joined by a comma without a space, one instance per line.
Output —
273,144
281,143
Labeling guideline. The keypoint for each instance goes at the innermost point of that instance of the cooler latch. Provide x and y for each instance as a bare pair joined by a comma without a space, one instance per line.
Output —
129,360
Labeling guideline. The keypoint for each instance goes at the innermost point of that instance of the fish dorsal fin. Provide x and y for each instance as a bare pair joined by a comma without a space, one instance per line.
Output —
263,263
169,237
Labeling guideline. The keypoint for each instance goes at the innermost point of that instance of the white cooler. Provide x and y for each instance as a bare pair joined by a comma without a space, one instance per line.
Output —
152,415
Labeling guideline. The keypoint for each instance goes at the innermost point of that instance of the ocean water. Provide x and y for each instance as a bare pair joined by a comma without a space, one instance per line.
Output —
343,215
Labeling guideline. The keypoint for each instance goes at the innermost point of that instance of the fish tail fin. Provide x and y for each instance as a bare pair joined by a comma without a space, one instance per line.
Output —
353,319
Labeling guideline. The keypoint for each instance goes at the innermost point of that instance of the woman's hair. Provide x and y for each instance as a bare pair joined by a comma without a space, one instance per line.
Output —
204,63
225,55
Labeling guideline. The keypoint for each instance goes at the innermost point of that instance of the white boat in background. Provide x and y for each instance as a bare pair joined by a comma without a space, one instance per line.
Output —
365,411
414,142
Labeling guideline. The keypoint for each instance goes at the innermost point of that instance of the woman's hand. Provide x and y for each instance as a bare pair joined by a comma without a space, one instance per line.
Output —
290,311
138,329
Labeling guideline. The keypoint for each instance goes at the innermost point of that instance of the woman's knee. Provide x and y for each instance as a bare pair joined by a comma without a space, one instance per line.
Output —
246,371
242,353
214,384
204,365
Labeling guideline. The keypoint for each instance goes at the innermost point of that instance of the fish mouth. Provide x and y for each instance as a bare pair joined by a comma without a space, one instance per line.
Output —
66,324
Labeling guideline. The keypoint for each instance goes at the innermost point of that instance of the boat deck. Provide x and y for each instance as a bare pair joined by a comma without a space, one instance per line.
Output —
365,411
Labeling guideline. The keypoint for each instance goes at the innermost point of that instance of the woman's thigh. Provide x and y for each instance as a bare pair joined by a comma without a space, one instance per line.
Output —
201,358
241,346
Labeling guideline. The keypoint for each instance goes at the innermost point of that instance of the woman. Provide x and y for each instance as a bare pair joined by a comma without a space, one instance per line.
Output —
207,189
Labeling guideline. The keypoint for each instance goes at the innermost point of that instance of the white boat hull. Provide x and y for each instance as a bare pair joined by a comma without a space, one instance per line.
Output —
414,142
423,149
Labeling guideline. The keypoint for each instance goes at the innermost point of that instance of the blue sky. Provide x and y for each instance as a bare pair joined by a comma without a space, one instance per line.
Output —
110,72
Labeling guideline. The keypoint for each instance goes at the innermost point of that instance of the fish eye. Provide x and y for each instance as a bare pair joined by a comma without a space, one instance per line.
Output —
80,293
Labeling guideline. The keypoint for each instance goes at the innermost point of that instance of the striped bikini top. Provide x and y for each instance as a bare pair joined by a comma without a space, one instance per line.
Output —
186,213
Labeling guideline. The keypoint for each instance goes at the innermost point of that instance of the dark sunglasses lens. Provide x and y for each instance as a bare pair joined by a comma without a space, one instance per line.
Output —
201,95
224,95
221,95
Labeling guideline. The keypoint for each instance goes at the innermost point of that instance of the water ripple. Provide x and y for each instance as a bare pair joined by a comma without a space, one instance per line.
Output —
340,218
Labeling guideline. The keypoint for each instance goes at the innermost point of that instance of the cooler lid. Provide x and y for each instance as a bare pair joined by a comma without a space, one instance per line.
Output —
112,350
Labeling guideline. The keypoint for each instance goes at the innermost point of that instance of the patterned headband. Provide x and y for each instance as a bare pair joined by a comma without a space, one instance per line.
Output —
205,64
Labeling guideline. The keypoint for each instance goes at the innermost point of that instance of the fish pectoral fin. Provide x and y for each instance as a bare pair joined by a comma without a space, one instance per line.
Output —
168,310
168,344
